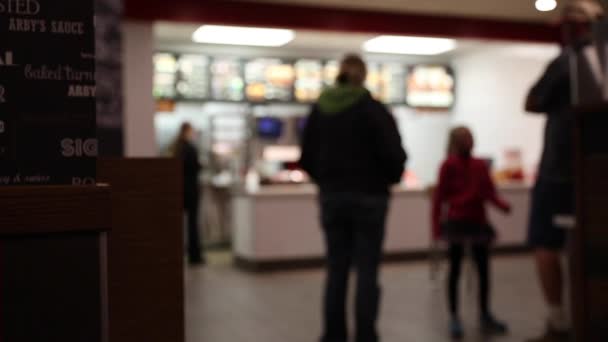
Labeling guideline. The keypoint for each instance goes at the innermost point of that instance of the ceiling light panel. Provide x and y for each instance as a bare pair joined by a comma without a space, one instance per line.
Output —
248,36
404,45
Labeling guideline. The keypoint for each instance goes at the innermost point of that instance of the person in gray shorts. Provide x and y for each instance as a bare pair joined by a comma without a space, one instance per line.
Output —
554,193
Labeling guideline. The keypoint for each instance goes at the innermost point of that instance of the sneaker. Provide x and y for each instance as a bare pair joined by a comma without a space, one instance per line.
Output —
456,329
490,325
552,335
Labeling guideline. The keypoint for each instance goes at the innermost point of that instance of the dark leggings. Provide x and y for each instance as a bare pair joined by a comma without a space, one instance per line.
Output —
481,258
195,253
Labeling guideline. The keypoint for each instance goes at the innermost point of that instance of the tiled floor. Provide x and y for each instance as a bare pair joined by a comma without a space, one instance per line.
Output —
227,305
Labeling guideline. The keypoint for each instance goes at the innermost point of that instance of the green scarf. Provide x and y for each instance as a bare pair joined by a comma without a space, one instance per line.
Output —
339,98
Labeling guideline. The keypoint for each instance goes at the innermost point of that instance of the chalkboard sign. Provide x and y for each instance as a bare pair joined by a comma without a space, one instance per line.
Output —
47,92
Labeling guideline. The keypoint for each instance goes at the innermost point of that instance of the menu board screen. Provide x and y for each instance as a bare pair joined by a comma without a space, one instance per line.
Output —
330,73
309,80
430,87
269,128
201,78
227,82
192,81
374,80
47,93
392,83
269,79
165,75
386,81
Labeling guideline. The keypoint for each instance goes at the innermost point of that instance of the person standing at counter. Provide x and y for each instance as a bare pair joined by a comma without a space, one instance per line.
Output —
185,150
554,193
459,217
352,150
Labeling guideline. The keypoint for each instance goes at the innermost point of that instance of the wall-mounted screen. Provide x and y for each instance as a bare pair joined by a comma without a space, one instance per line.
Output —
431,87
227,82
331,69
192,77
309,80
269,79
374,80
392,76
301,126
165,75
269,128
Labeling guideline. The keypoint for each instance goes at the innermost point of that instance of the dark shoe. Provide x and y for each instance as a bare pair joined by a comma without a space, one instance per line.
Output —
327,339
492,326
552,336
456,329
197,262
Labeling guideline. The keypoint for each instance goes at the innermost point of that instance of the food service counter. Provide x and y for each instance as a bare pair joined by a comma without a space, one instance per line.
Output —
279,225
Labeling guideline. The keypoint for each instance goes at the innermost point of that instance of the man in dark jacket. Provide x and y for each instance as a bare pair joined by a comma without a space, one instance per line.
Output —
352,149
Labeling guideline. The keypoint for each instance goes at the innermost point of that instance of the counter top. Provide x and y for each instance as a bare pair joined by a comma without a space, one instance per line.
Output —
399,190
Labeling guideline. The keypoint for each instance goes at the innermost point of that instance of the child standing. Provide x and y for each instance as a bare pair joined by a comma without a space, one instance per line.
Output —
459,217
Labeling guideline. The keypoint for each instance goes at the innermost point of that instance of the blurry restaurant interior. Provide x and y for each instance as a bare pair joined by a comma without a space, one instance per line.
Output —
249,105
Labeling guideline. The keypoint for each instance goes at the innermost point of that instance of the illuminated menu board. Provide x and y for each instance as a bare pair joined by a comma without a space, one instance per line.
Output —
331,69
165,75
192,81
309,80
374,80
269,79
385,81
430,87
201,78
227,82
392,76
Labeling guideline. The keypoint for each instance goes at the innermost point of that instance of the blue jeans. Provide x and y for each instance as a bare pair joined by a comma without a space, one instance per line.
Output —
354,226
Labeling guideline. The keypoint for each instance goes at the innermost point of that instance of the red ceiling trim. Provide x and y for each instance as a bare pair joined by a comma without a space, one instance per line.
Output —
315,18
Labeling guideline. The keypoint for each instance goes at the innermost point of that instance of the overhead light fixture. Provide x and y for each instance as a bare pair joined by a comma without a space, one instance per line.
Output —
404,45
249,36
546,5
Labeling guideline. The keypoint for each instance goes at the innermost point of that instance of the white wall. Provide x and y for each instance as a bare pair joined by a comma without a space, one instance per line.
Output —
491,90
139,110
492,83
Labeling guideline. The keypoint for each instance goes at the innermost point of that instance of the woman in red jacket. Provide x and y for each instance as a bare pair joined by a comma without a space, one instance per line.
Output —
459,217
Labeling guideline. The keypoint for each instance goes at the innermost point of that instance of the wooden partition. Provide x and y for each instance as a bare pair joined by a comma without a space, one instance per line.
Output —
53,263
145,250
590,239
